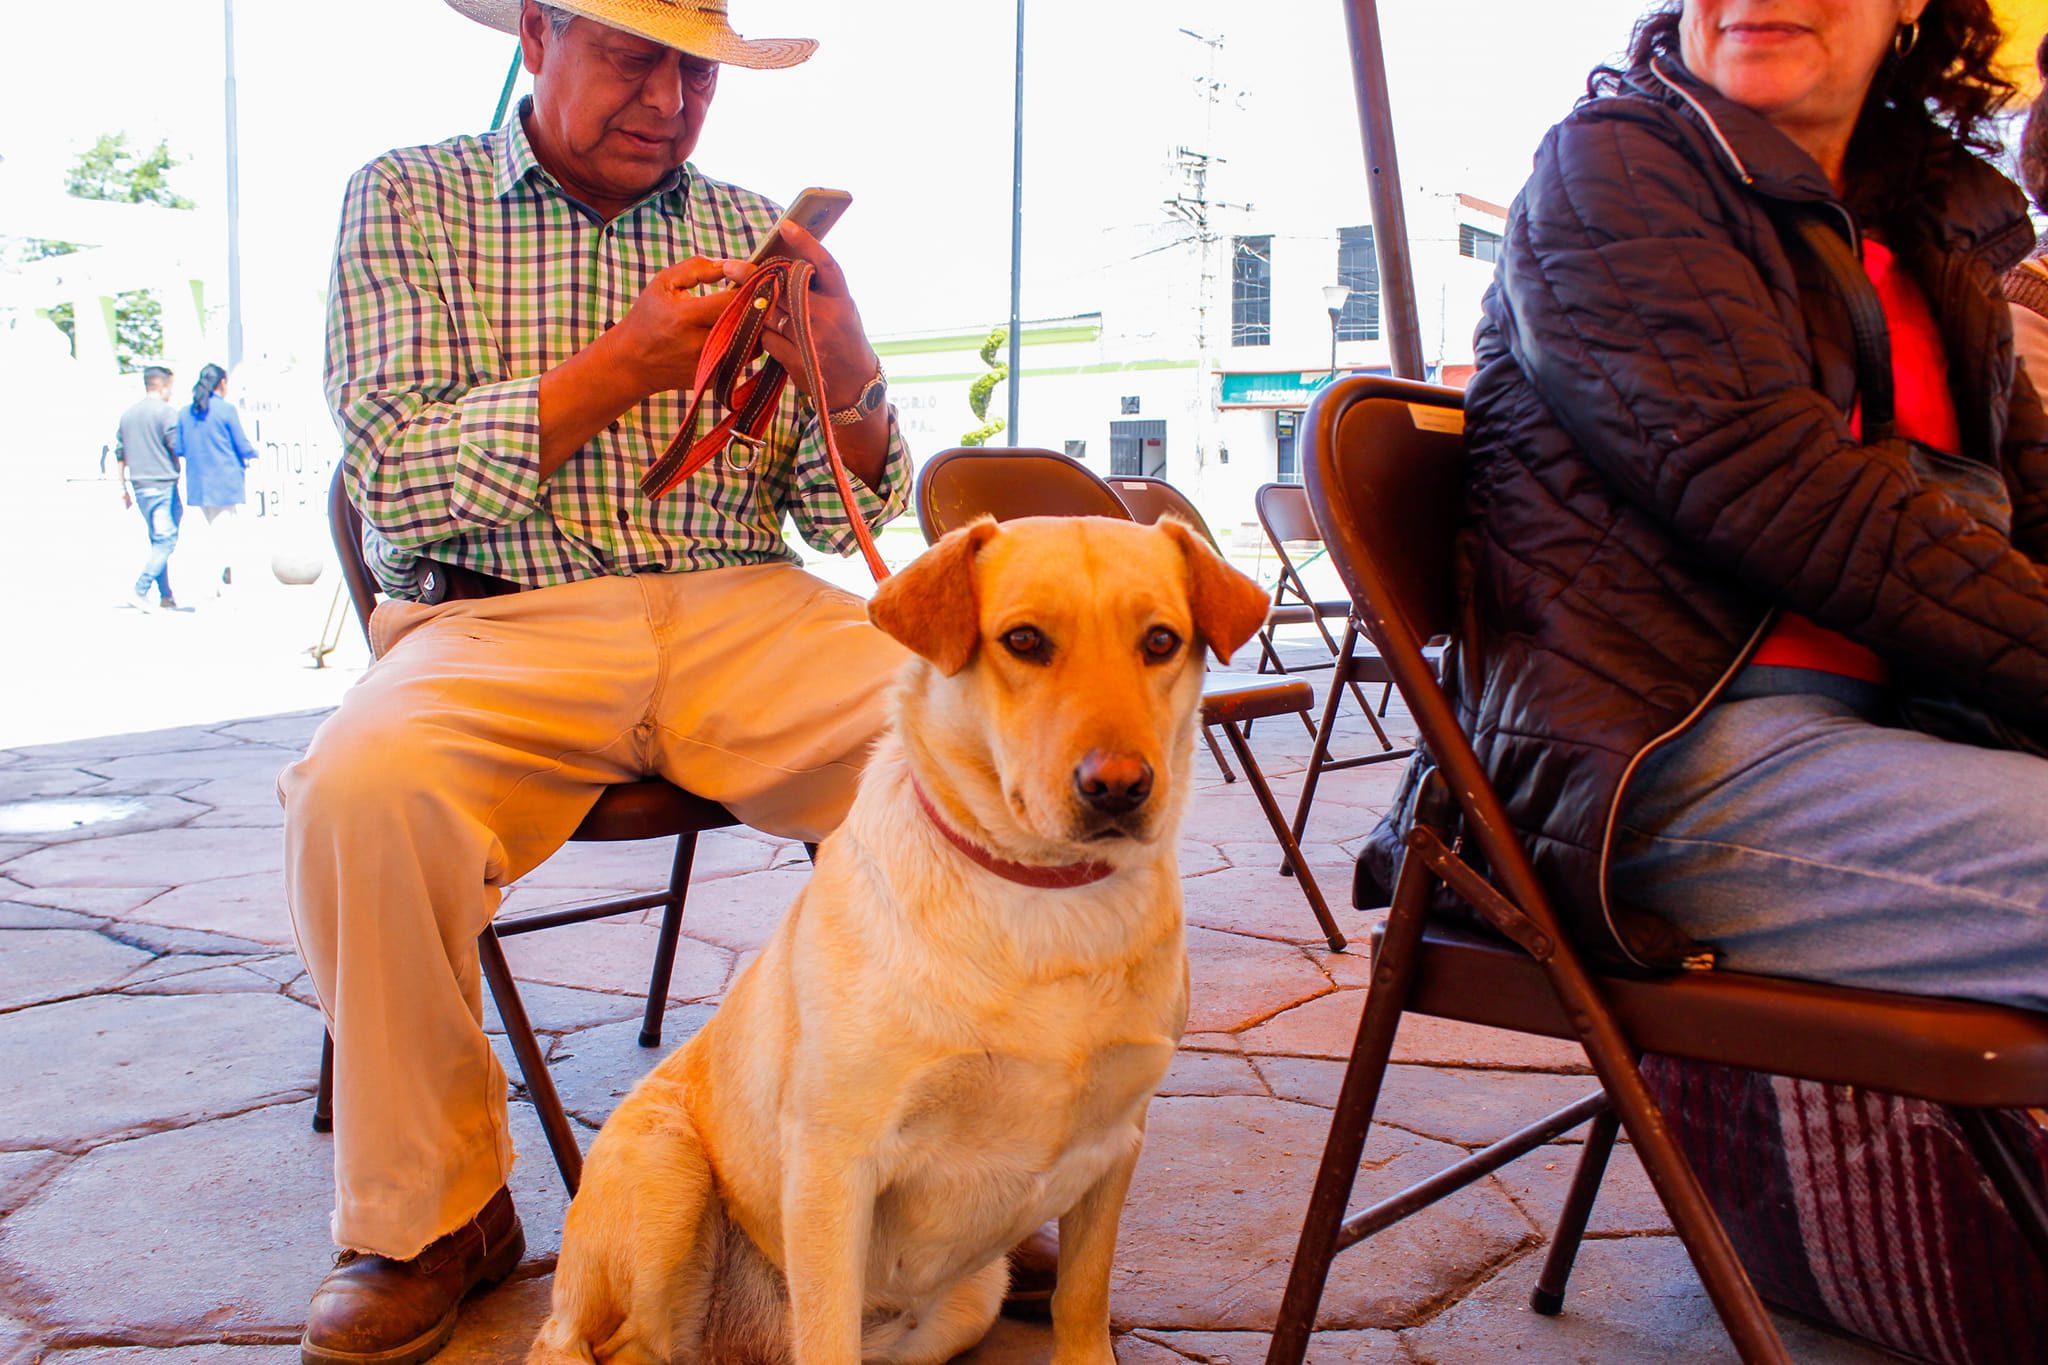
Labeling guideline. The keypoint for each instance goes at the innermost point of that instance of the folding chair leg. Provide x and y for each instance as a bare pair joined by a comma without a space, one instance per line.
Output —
665,946
1345,666
1393,969
1671,1175
1348,667
1320,755
1269,653
2012,1175
1216,752
1548,1296
323,1096
540,1087
1331,933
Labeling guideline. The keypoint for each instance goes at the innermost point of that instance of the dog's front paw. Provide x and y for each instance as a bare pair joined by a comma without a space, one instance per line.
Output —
559,1346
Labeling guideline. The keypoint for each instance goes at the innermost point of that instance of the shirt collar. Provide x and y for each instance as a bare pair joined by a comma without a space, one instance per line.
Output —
516,162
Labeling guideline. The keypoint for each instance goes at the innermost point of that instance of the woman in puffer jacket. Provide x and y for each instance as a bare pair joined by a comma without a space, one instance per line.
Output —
1758,670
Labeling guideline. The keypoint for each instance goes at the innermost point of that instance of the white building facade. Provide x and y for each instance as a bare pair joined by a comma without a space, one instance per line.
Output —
1203,355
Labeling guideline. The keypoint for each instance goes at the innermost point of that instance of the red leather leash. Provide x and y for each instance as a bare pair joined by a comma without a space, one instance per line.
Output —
750,402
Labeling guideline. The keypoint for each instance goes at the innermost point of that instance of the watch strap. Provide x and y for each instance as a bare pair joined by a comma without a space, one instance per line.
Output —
868,400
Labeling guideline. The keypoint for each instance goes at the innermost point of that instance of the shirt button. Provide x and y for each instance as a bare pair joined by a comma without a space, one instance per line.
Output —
625,517
614,425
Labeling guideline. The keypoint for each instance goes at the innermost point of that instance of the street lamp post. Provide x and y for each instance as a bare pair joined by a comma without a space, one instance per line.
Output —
1335,296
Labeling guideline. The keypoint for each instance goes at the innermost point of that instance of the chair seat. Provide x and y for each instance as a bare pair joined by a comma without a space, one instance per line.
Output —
1304,613
650,809
1948,1051
1225,698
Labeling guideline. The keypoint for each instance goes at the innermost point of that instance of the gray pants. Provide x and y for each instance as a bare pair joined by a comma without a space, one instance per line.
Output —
1802,838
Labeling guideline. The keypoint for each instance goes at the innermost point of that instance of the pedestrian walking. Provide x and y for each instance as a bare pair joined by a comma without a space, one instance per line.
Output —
146,452
216,452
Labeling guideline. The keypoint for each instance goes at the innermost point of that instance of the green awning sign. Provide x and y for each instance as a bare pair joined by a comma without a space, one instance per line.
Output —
1291,389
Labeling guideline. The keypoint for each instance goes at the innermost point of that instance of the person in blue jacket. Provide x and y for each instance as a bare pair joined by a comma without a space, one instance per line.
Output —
216,452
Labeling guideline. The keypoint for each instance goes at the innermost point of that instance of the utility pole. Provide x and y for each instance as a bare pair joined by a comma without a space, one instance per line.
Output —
234,199
1193,206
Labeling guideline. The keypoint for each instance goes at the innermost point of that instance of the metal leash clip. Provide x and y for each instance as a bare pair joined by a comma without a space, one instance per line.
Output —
753,445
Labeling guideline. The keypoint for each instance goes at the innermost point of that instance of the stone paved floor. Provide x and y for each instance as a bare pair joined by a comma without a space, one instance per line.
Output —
162,1195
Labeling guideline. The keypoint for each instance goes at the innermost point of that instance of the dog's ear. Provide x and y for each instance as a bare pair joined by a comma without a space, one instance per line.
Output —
931,606
1228,607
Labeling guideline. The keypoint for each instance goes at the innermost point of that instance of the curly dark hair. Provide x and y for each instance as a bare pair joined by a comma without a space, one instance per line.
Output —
1946,86
2033,156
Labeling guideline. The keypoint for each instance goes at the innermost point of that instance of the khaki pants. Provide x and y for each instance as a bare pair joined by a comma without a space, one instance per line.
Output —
466,756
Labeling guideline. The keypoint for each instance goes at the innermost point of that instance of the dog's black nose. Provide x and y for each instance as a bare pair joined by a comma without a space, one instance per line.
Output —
1113,783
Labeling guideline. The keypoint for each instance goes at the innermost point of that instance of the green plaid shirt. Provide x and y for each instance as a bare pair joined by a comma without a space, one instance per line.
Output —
462,272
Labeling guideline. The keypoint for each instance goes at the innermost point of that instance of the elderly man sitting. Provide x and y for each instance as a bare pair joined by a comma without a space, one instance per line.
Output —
515,322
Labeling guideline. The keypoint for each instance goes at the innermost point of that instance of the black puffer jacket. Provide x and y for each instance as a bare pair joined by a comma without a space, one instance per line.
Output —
1661,459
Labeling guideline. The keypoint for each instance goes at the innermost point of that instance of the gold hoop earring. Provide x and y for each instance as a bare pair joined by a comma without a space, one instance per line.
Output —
1905,38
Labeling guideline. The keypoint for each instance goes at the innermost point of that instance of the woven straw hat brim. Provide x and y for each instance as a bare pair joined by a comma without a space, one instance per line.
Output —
698,27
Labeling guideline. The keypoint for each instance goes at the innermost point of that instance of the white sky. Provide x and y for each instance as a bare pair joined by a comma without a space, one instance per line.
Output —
908,104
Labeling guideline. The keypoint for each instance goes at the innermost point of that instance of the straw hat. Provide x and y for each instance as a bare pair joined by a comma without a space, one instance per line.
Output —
698,27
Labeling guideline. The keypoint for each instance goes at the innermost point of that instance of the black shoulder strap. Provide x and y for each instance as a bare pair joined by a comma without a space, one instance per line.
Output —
1866,321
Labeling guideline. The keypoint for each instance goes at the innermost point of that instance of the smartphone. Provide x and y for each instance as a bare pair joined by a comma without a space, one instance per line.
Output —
815,211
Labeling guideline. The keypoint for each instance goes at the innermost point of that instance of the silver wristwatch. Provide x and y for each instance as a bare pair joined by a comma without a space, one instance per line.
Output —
869,400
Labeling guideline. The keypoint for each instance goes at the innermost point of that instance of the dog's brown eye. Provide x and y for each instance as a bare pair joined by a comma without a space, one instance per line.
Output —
1026,643
1161,643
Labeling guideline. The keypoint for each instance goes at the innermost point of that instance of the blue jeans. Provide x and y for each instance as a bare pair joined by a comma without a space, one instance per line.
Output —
162,510
1802,838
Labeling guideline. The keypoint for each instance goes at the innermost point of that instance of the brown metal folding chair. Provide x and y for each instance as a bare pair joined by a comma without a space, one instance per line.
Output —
1385,467
651,809
1284,516
956,486
1287,519
1147,500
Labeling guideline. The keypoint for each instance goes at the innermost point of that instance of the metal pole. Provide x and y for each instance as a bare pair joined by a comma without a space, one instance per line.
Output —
511,78
234,201
1383,174
1016,239
1333,343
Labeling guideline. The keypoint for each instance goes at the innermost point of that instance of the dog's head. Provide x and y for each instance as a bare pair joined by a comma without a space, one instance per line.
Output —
1061,672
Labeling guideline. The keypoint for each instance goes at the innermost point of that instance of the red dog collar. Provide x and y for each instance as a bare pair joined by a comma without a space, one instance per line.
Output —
1063,878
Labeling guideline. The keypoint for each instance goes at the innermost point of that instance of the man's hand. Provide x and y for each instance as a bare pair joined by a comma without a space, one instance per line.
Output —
663,333
126,499
653,349
845,360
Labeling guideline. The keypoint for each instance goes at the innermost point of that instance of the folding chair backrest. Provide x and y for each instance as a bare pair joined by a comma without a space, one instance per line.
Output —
1150,499
1284,512
1385,462
956,486
345,524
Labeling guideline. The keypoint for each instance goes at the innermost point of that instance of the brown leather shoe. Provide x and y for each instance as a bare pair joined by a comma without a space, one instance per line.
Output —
1034,1270
371,1310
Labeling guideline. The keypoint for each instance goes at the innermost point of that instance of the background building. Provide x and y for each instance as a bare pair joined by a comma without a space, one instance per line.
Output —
1203,352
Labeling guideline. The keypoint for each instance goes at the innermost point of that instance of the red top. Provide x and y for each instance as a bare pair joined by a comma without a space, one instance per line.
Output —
1925,411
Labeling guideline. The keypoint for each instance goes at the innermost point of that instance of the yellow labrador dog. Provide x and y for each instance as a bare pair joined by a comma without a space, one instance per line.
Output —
954,1033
